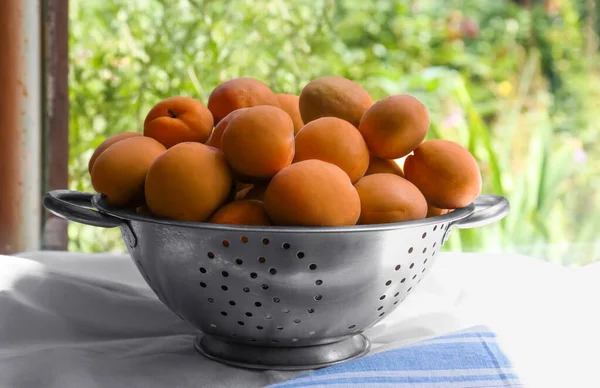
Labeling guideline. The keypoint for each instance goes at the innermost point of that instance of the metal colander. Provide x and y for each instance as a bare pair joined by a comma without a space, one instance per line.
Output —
279,297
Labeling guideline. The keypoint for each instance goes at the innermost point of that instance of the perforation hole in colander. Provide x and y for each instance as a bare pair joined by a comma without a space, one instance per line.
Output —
248,268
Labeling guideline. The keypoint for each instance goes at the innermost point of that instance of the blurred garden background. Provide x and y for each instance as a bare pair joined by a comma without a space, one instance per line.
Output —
517,82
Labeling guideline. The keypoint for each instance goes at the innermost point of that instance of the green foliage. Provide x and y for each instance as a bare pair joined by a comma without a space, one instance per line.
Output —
517,86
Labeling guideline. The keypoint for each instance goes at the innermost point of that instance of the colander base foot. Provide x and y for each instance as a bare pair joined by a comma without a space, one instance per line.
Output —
282,358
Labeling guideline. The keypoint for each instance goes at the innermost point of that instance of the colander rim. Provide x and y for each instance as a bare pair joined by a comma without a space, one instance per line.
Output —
102,206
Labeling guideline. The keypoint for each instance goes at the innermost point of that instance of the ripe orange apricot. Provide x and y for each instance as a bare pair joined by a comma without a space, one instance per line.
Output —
107,143
291,104
378,166
178,119
395,126
242,212
333,96
259,142
388,198
312,193
120,171
188,182
335,141
239,93
433,211
215,139
445,172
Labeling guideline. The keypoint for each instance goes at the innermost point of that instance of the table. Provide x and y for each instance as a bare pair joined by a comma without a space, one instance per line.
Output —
89,320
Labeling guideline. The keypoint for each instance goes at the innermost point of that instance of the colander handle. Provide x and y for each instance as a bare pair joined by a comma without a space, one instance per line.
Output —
77,206
489,208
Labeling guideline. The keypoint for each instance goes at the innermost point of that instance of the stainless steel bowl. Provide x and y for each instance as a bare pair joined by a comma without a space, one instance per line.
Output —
279,297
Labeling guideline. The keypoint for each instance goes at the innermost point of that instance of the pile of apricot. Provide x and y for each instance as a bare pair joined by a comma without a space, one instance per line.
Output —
328,157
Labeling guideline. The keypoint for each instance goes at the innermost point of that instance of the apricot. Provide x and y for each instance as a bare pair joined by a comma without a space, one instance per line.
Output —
239,93
433,211
388,198
259,142
188,182
379,166
335,141
107,143
217,134
177,120
243,212
119,172
333,96
395,126
290,103
445,172
312,193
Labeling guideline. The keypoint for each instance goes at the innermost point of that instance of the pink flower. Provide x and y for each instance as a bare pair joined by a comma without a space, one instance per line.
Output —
453,119
580,156
469,28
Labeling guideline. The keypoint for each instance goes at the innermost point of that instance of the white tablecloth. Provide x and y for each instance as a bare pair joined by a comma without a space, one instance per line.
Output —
76,320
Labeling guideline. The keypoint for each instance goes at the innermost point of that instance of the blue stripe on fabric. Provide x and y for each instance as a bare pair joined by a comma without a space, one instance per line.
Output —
491,353
471,349
433,385
471,355
404,379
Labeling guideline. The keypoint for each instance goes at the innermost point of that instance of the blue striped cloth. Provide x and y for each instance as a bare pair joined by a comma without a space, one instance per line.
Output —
466,359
